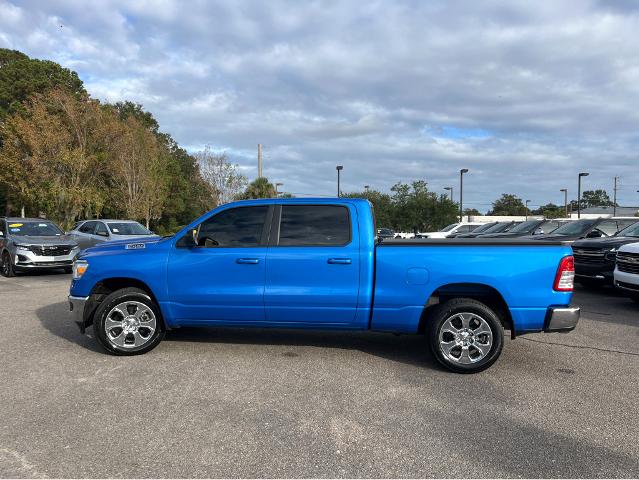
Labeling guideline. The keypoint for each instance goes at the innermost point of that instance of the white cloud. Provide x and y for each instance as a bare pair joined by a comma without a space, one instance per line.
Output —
525,94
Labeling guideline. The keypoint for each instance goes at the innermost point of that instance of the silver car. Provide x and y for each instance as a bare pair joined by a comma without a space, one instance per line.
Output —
91,232
34,244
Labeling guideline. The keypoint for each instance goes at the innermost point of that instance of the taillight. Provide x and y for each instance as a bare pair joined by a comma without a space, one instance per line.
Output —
565,278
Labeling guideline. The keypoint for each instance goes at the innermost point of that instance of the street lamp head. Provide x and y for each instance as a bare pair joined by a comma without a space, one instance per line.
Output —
463,170
448,188
563,189
279,184
339,167
584,174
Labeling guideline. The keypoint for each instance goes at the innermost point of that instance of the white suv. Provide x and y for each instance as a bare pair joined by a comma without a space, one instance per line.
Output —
627,270
461,227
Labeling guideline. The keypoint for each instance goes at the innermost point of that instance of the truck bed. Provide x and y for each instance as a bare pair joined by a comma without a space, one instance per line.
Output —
410,242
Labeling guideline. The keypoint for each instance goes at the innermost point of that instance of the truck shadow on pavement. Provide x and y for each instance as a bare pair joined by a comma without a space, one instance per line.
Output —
56,319
409,349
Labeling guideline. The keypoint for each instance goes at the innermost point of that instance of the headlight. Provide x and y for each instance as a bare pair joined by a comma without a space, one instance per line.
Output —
22,248
79,268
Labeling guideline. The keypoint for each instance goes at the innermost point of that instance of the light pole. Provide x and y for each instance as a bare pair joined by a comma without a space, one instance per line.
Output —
527,202
565,190
450,189
339,168
614,199
461,193
582,174
277,185
366,187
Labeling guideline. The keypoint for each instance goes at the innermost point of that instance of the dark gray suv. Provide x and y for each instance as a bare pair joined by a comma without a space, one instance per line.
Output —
34,244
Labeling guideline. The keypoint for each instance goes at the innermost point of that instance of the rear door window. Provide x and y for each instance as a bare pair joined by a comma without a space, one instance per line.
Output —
314,225
88,227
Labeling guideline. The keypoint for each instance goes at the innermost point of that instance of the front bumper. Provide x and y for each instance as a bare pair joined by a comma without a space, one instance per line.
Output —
27,260
77,307
602,272
562,319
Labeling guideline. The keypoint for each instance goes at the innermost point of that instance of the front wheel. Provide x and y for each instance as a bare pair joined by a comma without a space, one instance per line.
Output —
128,322
465,335
6,267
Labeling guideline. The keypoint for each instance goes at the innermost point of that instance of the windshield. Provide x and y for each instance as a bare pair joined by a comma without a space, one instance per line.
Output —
484,227
574,228
35,229
386,231
128,228
449,227
525,226
631,231
497,228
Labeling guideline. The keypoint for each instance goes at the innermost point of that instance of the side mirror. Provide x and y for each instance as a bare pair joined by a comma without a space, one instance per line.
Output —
594,234
102,234
538,231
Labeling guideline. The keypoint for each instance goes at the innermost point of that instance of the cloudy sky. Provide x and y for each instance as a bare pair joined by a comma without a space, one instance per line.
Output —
523,94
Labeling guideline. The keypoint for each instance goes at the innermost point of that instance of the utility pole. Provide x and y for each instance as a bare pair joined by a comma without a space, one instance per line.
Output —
339,168
259,160
277,185
614,200
461,193
527,202
565,190
582,174
450,189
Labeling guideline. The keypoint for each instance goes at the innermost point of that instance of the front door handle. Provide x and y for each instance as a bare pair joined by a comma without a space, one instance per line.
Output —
248,261
340,261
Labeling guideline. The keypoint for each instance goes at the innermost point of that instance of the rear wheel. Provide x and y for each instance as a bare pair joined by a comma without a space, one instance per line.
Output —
6,267
465,335
128,322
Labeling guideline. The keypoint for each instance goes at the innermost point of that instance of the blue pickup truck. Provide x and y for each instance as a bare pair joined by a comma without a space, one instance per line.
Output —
315,263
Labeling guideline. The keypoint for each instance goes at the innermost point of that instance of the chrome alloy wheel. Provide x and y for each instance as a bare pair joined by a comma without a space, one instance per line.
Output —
465,338
130,324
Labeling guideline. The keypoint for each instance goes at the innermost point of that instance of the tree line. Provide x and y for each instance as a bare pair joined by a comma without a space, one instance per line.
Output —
67,156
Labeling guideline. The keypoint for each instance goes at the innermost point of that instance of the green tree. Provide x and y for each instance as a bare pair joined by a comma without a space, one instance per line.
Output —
21,77
418,209
471,211
258,188
595,198
508,204
550,210
383,208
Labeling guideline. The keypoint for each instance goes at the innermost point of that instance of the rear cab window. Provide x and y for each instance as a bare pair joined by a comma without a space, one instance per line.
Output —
314,225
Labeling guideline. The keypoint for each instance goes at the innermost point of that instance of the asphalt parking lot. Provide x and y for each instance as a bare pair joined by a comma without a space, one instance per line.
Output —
275,403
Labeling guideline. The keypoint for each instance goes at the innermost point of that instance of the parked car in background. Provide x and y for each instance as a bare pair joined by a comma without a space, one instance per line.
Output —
588,228
530,227
595,257
34,244
314,264
498,227
91,232
384,233
627,270
452,229
482,228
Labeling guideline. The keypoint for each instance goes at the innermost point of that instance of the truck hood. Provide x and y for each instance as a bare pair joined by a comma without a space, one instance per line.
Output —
134,243
605,243
35,240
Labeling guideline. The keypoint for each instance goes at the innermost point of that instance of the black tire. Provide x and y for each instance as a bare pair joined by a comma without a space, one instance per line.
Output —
634,298
474,343
106,307
68,269
6,267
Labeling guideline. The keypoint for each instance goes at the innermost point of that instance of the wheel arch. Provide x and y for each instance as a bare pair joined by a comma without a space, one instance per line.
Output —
109,285
481,292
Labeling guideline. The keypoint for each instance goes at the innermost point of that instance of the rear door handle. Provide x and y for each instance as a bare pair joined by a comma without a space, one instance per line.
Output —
249,261
340,261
